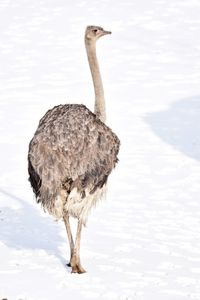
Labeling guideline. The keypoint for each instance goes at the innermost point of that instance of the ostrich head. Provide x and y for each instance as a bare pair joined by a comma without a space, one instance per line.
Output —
93,33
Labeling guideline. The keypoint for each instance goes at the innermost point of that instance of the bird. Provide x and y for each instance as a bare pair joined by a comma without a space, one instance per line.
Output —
71,155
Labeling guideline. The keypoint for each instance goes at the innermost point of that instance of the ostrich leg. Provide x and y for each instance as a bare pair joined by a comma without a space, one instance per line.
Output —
70,237
75,260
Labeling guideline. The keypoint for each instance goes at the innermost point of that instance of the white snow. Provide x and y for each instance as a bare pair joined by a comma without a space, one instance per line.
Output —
143,242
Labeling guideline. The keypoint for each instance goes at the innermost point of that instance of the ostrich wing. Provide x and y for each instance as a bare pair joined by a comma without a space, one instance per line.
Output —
71,146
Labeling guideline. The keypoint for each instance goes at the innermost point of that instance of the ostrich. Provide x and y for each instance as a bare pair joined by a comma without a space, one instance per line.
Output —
72,154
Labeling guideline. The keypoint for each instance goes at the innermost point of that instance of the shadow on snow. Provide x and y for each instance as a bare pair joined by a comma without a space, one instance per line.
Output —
179,126
24,228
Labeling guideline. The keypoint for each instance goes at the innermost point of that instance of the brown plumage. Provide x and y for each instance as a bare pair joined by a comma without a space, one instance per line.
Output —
70,158
70,149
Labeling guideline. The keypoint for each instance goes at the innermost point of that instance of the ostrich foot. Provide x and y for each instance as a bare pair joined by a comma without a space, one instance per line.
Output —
75,264
77,268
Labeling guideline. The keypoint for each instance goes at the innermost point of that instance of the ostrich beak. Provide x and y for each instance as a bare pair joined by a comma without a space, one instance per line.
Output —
106,32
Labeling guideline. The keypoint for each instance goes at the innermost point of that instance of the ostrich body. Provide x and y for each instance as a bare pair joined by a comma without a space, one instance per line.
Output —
72,154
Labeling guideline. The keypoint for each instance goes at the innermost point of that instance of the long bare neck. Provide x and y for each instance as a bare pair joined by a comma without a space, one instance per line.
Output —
99,108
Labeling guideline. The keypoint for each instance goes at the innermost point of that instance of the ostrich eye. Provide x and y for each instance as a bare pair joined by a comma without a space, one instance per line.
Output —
95,30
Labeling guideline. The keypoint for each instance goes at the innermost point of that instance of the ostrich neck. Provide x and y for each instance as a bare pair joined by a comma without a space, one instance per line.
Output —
99,108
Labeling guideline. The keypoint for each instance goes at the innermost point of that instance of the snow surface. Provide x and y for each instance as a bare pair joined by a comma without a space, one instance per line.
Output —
143,242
